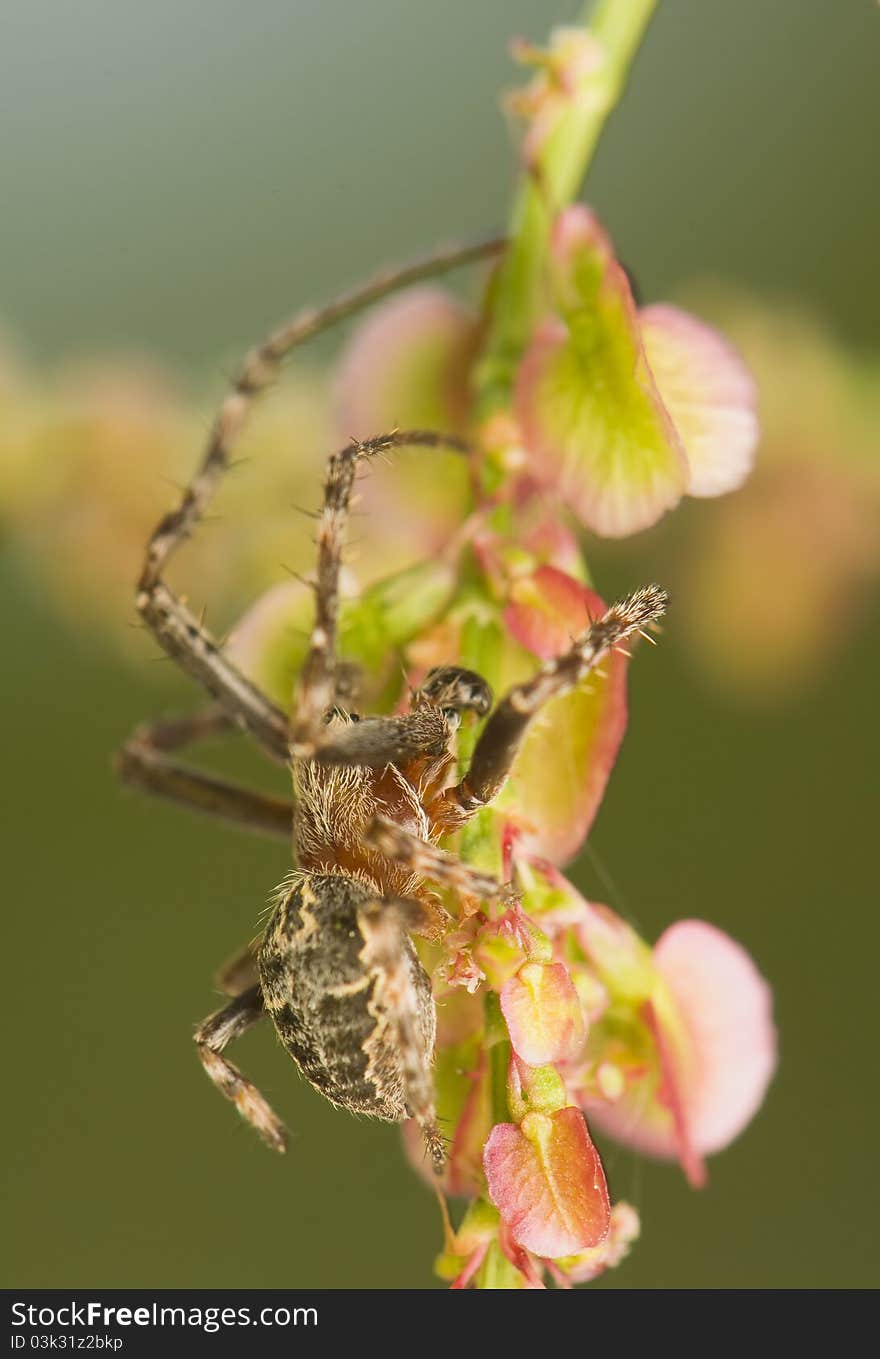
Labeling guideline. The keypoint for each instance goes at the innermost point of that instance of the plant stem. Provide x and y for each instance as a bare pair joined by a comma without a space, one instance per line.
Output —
549,185
498,1053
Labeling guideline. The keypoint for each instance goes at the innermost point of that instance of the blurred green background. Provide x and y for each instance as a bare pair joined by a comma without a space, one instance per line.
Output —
176,176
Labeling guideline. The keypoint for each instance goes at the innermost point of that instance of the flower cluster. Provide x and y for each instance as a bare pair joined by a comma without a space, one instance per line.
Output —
669,1050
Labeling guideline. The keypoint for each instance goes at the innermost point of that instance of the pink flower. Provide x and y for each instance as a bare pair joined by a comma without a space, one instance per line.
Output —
709,1020
407,365
624,1229
543,1014
546,1180
625,411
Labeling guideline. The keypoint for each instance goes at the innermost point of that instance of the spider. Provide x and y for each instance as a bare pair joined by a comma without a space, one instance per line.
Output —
336,969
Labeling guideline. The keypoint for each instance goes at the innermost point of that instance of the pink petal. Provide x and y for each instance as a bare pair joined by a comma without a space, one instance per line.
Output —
708,392
501,948
564,765
622,960
717,1050
553,544
543,1014
588,450
520,1259
672,1094
546,1180
548,609
727,1007
407,364
590,411
625,1229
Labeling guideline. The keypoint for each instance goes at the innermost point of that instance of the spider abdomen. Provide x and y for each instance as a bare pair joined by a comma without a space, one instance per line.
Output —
343,985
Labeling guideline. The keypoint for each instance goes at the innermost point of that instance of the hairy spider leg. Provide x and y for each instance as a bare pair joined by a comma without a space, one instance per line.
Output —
503,734
178,631
144,762
429,861
316,687
211,1037
384,924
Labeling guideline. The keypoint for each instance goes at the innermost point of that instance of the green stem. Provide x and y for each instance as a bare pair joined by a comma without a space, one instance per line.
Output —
498,1053
496,1271
618,26
513,307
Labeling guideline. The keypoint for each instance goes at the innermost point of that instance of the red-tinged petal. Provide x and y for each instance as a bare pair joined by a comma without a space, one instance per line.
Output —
548,609
727,1008
407,366
716,1055
501,949
543,1014
672,1094
624,1230
708,392
622,960
608,450
553,900
546,1180
560,774
555,545
519,1258
592,417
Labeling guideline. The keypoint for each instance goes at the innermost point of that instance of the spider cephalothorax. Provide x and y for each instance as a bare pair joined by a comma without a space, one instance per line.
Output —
336,969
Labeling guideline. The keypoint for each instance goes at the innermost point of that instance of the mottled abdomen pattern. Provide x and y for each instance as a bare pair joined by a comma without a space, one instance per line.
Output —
339,978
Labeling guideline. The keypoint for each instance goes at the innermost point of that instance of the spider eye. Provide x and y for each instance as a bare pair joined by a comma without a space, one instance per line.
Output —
337,714
478,697
453,717
448,685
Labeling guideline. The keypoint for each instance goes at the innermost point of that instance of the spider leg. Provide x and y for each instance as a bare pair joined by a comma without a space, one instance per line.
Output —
503,734
317,681
211,1037
429,861
383,924
377,741
190,644
240,972
426,731
144,763
176,629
